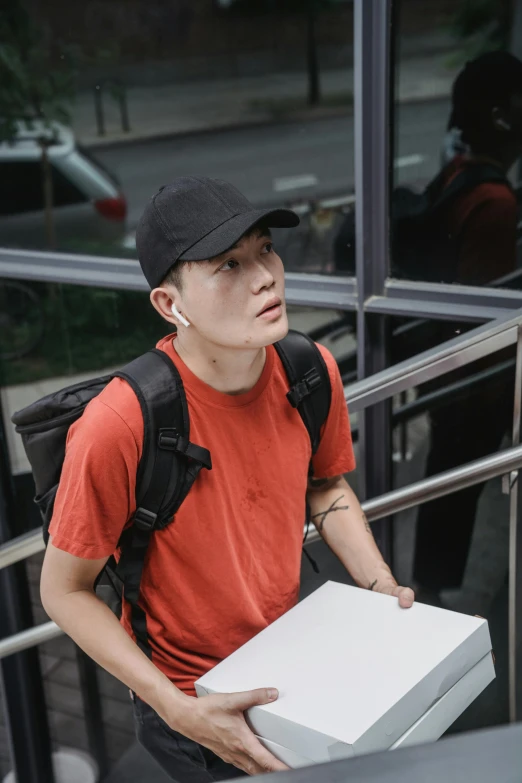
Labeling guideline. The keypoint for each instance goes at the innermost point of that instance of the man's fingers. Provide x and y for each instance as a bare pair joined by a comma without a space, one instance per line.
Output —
246,699
262,757
406,597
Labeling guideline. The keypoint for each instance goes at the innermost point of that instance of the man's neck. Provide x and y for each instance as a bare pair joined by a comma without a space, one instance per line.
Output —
227,370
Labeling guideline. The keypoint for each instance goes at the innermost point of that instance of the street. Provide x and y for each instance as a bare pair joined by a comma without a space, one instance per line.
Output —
266,162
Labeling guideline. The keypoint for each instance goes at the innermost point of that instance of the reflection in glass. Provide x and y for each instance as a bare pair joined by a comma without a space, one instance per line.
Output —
458,133
54,330
454,215
255,93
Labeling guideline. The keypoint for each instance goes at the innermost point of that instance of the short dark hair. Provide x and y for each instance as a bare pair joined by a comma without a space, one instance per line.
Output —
175,274
489,81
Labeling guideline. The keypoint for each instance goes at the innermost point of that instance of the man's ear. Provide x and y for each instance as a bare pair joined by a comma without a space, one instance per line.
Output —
162,300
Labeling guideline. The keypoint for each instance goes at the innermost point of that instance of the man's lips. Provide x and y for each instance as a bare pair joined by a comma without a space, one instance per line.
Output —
272,304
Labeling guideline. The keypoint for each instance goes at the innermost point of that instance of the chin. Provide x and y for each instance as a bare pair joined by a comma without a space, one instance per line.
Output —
276,331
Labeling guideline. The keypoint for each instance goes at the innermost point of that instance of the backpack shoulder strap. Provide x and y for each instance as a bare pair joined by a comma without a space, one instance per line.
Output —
310,388
169,466
167,451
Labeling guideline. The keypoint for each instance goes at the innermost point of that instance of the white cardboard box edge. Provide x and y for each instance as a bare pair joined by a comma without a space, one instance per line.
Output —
438,719
428,728
437,683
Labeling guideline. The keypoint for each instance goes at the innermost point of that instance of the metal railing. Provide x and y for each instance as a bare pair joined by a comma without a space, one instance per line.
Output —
456,353
377,508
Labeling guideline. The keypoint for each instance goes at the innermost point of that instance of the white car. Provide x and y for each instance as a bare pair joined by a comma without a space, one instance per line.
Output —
88,203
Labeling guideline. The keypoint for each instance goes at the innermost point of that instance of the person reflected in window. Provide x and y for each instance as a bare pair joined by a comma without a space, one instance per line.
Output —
481,222
485,127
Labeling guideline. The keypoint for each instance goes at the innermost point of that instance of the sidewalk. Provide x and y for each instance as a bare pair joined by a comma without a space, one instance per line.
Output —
175,109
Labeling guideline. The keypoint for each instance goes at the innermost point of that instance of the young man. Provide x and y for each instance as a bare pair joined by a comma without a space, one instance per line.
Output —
229,564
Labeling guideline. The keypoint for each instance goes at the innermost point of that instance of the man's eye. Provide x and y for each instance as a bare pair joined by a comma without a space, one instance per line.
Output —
268,247
228,265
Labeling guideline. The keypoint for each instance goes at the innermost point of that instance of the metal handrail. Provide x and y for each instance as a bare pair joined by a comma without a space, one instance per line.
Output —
448,394
444,396
21,547
29,638
378,508
460,351
437,486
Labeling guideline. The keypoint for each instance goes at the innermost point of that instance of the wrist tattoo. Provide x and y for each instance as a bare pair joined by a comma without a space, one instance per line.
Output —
370,587
321,516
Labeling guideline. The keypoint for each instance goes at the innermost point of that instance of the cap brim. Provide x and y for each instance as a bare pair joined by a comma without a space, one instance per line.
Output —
227,234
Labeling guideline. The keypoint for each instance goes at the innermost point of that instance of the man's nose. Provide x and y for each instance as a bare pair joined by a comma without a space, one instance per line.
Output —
262,277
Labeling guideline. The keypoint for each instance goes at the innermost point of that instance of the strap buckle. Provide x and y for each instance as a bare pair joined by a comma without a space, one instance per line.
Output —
309,383
145,520
171,440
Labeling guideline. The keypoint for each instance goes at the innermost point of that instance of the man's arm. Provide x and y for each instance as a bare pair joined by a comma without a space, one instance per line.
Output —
339,518
216,721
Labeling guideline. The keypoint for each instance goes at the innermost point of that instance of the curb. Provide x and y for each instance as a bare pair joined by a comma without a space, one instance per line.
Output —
306,115
254,122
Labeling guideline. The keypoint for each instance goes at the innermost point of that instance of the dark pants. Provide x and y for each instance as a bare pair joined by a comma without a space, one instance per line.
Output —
182,759
460,433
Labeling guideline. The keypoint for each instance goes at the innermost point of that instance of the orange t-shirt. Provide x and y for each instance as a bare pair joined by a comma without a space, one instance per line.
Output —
229,563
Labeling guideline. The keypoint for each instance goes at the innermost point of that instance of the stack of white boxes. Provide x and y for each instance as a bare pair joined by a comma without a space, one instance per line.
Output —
356,674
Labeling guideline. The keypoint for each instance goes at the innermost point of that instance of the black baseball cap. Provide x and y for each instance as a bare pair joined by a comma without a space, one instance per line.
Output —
196,218
487,81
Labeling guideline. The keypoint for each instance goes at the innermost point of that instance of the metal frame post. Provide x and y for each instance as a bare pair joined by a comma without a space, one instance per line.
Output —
372,50
22,681
515,559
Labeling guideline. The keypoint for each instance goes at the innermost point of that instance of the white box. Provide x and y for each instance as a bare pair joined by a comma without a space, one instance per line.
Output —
430,726
353,669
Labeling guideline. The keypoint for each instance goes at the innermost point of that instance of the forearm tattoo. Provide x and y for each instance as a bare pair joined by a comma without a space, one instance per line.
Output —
370,587
321,516
367,524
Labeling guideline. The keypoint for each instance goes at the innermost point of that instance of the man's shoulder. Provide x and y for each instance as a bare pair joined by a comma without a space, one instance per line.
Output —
116,411
329,360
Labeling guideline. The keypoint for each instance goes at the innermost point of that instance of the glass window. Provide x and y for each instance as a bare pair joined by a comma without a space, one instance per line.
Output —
21,188
256,93
458,140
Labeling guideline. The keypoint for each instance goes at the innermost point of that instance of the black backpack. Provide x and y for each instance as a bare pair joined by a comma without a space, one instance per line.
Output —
170,462
421,248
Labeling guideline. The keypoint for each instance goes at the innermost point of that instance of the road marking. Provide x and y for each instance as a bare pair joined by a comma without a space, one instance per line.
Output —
291,183
408,160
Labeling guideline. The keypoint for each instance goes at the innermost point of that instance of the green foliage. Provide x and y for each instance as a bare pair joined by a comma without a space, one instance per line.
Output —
482,26
32,86
85,330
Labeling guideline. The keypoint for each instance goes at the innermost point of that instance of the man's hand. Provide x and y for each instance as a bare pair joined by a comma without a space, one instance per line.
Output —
405,595
217,722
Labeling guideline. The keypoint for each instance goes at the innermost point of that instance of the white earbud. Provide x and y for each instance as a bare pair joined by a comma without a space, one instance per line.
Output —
178,315
503,124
